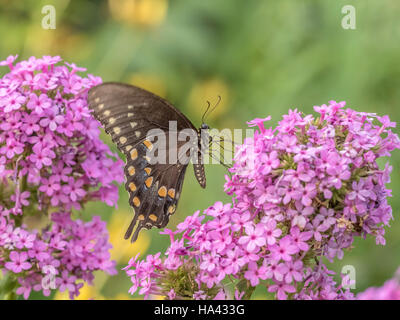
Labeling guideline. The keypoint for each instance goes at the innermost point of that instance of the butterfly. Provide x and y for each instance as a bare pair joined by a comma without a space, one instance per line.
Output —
128,113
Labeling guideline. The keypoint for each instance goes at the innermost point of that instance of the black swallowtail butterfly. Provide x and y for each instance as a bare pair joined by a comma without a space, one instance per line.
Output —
127,113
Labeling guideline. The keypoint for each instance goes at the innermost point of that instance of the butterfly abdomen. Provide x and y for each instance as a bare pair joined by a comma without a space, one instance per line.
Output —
198,167
200,174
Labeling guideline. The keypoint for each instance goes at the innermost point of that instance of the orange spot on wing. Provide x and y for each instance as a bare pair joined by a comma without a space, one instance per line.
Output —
148,144
134,154
171,193
131,170
162,192
132,186
136,201
148,182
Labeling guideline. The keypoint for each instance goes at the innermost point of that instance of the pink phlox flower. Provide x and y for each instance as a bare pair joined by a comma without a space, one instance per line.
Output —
18,262
254,273
254,238
284,249
259,122
281,289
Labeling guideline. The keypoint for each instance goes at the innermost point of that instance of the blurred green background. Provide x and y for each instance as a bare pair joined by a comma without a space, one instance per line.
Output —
262,57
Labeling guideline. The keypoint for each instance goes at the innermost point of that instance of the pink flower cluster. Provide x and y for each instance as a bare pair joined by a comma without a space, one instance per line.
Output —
52,161
389,291
301,192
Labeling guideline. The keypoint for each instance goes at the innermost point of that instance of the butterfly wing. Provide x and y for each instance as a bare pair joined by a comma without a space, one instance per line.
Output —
154,190
127,114
116,104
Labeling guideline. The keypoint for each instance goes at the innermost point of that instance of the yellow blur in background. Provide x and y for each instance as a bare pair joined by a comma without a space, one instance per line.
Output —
145,13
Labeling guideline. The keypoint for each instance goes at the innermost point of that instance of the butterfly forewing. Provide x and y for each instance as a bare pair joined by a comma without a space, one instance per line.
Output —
124,103
128,114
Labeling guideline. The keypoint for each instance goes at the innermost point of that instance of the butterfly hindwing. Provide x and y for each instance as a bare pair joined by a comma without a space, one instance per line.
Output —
154,191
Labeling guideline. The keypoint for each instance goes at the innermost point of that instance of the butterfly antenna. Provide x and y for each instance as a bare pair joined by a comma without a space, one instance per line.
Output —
216,105
204,114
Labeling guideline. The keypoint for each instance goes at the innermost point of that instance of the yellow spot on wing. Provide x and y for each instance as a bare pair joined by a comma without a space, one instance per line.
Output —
153,217
117,130
148,144
132,186
148,170
131,170
162,192
134,154
148,182
136,201
123,140
171,209
171,193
